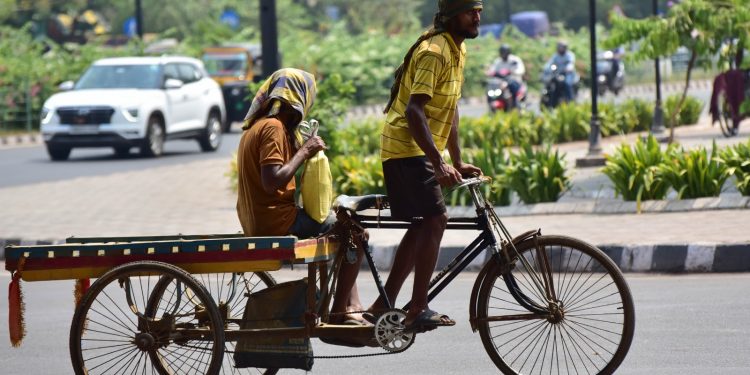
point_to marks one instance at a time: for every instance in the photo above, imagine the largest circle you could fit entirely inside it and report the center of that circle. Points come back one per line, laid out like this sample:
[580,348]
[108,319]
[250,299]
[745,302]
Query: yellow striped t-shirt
[436,69]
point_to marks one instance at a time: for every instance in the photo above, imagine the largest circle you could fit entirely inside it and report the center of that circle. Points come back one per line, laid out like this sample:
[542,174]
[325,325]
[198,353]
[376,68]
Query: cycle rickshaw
[182,304]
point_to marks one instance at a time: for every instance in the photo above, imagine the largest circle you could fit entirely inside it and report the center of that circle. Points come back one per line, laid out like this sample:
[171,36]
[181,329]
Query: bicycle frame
[503,250]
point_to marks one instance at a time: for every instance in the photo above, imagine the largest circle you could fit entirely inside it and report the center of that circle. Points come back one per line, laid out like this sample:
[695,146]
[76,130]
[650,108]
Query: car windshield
[225,64]
[120,77]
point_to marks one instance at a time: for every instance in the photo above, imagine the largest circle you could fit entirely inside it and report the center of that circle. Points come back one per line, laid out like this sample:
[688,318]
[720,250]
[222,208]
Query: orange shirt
[260,213]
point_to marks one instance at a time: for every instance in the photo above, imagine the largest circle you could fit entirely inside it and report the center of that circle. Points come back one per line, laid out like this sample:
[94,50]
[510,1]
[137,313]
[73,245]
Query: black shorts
[413,191]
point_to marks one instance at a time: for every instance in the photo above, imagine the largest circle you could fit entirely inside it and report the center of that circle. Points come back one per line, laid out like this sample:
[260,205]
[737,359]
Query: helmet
[504,49]
[562,44]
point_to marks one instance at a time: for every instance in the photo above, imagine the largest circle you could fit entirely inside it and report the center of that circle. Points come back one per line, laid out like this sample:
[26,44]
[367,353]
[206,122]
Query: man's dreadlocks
[438,26]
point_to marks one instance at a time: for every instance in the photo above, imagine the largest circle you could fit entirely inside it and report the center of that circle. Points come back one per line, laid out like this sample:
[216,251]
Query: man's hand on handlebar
[468,170]
[446,175]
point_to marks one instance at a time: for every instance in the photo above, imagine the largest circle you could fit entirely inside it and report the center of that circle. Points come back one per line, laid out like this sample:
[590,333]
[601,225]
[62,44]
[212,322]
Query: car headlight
[131,114]
[46,115]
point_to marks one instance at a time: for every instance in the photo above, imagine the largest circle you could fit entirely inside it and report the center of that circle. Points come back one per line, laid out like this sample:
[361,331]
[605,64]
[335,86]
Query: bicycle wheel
[230,292]
[576,318]
[121,327]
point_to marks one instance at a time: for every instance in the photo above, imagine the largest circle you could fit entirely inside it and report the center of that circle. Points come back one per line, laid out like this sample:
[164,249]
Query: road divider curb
[615,207]
[20,139]
[665,258]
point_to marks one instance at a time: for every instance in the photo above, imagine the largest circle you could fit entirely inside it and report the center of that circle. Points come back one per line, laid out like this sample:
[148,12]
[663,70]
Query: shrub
[695,173]
[537,176]
[609,119]
[635,172]
[638,115]
[361,137]
[500,129]
[737,159]
[690,112]
[568,122]
[334,97]
[357,175]
[492,161]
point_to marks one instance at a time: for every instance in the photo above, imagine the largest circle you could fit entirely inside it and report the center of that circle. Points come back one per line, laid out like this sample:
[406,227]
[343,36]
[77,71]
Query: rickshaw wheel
[130,318]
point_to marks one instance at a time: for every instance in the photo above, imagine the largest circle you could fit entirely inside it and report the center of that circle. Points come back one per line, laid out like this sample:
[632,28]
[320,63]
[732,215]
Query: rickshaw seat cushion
[361,203]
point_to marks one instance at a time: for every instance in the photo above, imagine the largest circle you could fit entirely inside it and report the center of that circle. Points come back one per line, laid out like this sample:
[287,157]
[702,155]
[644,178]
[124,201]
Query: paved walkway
[195,198]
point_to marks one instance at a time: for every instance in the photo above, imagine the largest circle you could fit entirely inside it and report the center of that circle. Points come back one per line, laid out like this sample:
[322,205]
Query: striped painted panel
[82,260]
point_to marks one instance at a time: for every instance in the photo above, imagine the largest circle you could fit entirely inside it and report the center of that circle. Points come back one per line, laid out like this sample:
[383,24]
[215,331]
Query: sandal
[428,320]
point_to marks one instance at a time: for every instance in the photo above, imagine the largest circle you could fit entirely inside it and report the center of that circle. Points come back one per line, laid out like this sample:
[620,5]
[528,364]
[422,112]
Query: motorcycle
[554,87]
[499,94]
[610,73]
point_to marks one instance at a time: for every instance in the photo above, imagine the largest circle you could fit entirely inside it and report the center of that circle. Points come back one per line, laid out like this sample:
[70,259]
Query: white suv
[135,102]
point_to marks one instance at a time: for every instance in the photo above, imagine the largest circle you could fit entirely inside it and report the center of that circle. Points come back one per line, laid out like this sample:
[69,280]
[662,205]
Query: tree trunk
[673,118]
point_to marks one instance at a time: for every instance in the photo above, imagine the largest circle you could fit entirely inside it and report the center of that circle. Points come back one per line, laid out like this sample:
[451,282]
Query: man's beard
[469,34]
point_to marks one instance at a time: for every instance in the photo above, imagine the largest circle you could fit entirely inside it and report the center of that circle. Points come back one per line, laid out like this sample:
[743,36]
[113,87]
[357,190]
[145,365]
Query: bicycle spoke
[574,303]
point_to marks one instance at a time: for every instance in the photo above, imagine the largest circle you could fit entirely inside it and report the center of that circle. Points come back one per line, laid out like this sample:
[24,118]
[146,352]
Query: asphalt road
[685,325]
[28,165]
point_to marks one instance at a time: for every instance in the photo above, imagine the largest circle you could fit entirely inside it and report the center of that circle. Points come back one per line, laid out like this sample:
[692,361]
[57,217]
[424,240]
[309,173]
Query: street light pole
[657,126]
[594,146]
[594,157]
[269,37]
[139,19]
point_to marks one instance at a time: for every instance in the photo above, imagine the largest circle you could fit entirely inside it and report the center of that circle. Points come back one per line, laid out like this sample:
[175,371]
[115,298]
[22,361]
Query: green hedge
[737,159]
[568,122]
[634,171]
[645,171]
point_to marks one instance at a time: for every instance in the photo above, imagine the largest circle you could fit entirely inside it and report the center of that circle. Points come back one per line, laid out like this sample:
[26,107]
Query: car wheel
[210,139]
[122,151]
[153,144]
[58,153]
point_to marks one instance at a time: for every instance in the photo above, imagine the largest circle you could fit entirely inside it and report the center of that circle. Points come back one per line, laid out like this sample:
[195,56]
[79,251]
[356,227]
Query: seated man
[268,156]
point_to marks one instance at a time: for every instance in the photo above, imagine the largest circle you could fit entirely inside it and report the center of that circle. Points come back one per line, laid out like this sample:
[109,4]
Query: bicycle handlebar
[474,181]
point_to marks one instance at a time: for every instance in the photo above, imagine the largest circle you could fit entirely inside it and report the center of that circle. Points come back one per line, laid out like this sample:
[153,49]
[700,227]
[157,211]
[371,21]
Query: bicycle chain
[385,352]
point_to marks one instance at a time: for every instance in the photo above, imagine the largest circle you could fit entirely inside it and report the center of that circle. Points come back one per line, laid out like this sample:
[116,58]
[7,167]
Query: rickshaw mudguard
[492,263]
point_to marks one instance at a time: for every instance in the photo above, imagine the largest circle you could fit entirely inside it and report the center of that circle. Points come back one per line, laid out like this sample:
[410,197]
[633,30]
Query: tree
[572,14]
[705,27]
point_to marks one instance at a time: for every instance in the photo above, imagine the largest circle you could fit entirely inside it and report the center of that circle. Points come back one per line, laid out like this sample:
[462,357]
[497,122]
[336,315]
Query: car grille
[85,115]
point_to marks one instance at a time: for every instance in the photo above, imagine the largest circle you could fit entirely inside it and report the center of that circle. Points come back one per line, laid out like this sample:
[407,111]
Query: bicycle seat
[360,203]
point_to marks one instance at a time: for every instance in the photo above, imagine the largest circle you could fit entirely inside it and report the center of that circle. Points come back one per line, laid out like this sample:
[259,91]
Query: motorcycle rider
[514,65]
[565,60]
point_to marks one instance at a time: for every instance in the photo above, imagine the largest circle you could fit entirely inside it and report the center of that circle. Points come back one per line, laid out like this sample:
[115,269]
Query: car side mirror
[66,86]
[172,83]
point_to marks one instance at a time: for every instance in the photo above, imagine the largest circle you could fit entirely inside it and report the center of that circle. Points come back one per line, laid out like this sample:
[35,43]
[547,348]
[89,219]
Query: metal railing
[20,107]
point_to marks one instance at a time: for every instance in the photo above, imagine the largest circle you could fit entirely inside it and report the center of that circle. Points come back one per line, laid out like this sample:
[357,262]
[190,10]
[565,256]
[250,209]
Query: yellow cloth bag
[317,183]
